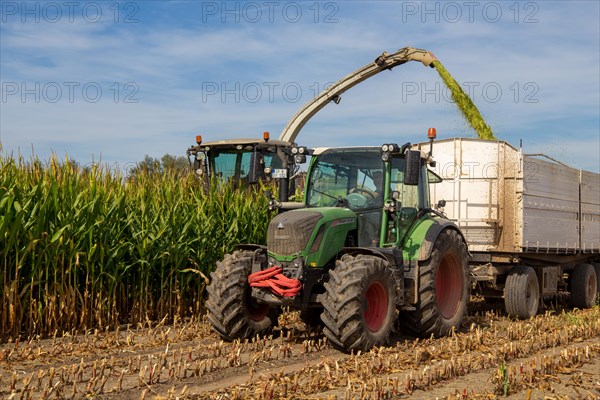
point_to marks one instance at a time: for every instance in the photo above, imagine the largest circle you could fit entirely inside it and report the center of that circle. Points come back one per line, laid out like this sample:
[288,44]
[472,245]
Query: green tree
[150,165]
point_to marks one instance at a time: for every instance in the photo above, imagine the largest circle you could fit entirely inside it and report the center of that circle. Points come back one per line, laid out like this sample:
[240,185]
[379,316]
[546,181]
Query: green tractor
[365,254]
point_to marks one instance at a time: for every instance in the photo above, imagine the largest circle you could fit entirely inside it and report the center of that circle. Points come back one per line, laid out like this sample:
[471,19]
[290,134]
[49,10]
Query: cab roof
[245,141]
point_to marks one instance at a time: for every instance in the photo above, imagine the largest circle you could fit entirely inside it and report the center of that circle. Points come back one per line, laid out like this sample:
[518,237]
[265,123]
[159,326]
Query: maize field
[102,281]
[84,249]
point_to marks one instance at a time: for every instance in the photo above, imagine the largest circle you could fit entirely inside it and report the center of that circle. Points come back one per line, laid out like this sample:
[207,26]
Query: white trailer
[532,224]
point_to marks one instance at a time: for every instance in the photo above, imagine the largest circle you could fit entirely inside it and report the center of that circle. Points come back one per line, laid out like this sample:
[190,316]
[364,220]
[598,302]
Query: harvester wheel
[232,312]
[522,292]
[359,303]
[583,286]
[443,289]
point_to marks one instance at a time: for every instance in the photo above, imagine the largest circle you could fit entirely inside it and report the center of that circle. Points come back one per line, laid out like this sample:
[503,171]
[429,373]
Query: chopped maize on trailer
[532,224]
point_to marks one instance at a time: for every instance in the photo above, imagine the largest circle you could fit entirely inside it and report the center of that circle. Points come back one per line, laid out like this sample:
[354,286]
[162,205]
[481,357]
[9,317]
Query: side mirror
[440,204]
[412,170]
[254,173]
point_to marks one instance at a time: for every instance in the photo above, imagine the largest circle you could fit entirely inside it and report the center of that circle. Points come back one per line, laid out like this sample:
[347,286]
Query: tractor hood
[316,234]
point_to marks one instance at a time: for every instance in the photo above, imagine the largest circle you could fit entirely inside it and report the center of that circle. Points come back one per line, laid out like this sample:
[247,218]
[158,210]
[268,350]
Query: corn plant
[82,249]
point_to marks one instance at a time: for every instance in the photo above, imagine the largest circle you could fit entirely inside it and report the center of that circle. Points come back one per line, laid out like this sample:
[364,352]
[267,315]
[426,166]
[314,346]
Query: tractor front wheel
[443,289]
[359,303]
[232,312]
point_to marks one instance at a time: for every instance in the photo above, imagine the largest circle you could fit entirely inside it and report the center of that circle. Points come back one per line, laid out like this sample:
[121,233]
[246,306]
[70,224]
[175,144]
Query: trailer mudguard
[432,234]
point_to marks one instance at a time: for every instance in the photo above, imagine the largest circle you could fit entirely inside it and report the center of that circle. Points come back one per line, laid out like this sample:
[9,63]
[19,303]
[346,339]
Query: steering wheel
[371,194]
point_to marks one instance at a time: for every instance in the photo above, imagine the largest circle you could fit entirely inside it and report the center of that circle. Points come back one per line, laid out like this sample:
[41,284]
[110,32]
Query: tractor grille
[289,232]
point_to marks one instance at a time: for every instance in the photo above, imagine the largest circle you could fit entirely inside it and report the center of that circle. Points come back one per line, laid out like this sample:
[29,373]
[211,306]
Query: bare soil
[552,356]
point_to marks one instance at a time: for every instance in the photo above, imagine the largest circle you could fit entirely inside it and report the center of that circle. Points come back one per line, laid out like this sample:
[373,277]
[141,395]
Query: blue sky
[118,80]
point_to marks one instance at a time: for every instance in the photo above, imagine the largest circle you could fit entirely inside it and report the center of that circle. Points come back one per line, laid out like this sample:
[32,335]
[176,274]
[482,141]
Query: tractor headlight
[299,158]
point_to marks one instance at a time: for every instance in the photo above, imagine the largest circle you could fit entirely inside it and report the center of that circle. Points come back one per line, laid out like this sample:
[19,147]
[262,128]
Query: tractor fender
[393,257]
[432,234]
[250,247]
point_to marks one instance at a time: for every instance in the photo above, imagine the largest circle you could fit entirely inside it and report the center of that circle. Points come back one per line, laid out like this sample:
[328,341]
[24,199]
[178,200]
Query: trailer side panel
[550,207]
[590,212]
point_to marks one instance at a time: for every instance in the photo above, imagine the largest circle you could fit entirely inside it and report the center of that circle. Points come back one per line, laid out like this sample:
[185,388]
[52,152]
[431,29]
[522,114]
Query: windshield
[231,164]
[227,164]
[354,176]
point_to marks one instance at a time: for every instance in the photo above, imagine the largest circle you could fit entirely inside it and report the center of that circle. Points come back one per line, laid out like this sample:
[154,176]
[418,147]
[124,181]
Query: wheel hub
[448,286]
[376,306]
[257,311]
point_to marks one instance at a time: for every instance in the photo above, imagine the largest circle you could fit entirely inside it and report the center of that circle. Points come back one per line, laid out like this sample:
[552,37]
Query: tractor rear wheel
[583,286]
[359,303]
[443,289]
[232,312]
[522,292]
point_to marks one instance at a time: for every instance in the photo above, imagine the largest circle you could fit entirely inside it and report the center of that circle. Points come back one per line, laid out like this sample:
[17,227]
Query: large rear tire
[522,293]
[232,312]
[583,286]
[359,303]
[443,289]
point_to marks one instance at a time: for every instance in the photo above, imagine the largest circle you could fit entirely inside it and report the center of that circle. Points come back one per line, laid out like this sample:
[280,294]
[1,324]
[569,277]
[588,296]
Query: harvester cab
[366,245]
[243,162]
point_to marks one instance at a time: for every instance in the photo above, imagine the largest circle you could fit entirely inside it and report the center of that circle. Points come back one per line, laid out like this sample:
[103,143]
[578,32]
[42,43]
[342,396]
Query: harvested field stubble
[186,360]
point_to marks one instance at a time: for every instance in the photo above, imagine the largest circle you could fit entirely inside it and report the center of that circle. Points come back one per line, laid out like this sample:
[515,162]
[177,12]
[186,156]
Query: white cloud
[169,62]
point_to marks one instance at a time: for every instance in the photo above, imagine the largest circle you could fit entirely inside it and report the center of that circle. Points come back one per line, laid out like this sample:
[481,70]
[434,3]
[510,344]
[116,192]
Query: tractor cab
[361,180]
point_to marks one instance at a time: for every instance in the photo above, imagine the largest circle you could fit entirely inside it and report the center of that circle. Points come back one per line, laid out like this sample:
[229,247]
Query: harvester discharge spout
[388,61]
[333,93]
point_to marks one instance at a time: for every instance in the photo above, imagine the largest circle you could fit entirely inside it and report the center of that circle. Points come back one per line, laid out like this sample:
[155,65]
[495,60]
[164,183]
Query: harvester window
[231,165]
[272,161]
[224,165]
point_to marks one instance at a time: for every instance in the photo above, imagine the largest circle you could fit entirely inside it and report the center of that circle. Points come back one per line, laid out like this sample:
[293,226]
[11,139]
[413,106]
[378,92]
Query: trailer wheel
[232,312]
[359,303]
[522,292]
[583,286]
[443,289]
[597,270]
